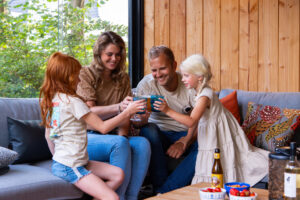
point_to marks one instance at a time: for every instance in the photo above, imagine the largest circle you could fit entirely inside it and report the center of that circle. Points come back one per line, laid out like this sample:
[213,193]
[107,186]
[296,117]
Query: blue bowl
[240,186]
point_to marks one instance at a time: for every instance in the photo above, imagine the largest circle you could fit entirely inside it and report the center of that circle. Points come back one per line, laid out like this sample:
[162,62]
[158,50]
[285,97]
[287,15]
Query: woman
[105,86]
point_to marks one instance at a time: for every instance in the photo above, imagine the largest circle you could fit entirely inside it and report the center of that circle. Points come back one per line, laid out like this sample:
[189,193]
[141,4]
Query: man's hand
[176,150]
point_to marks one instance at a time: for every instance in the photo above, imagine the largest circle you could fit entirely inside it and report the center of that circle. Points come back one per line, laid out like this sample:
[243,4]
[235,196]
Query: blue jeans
[160,142]
[132,155]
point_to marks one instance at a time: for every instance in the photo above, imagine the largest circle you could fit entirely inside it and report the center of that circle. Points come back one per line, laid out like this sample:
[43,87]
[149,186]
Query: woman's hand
[161,105]
[136,106]
[123,105]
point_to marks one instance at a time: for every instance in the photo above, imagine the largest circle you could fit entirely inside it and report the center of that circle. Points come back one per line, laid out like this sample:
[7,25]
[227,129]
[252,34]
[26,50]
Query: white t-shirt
[68,131]
[179,100]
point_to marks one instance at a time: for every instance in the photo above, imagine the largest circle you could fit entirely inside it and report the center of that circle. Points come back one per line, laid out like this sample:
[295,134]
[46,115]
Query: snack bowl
[233,197]
[212,195]
[240,186]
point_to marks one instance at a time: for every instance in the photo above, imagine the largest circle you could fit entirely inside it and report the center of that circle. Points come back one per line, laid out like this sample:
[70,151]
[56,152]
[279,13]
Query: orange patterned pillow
[270,126]
[230,103]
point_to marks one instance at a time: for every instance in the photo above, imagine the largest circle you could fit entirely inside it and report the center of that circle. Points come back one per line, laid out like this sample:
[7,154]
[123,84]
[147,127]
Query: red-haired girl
[65,116]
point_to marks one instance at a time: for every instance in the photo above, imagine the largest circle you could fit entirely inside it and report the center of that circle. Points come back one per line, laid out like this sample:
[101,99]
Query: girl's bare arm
[50,142]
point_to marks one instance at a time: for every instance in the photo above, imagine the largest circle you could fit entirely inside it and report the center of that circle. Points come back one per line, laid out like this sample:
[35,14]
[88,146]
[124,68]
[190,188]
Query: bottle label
[290,181]
[298,181]
[217,180]
[216,156]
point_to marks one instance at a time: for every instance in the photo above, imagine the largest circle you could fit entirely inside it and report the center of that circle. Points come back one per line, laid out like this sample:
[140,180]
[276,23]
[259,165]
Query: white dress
[240,160]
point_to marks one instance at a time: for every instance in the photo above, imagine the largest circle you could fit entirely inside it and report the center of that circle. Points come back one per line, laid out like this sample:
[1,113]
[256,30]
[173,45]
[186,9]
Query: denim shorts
[69,174]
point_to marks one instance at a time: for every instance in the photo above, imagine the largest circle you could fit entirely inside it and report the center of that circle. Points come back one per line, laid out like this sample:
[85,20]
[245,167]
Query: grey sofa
[29,181]
[32,181]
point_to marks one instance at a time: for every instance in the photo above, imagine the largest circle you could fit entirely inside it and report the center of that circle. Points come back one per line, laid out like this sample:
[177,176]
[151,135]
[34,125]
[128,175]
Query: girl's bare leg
[112,175]
[94,185]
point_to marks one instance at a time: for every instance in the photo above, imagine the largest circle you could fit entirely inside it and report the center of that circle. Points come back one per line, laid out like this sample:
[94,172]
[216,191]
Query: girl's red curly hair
[61,77]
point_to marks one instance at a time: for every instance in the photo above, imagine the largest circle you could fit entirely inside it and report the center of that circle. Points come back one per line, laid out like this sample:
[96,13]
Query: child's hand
[136,106]
[126,101]
[161,105]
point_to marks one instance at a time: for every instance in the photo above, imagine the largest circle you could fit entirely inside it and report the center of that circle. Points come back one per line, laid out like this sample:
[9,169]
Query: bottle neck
[292,158]
[216,156]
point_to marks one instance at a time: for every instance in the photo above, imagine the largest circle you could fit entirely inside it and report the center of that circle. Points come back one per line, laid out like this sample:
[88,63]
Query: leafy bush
[27,40]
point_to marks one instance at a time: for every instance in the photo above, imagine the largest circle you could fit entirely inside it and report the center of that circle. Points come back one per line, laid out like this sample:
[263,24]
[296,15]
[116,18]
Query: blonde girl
[65,116]
[217,128]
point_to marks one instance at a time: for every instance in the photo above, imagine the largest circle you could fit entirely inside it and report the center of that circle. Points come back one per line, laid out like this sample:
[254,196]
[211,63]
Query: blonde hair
[198,65]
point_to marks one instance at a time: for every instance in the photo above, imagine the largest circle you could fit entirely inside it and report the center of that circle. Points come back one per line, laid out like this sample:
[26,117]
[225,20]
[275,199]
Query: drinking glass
[136,117]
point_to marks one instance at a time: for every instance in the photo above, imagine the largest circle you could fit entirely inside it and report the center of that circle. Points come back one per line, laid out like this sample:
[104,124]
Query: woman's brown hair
[103,41]
[61,77]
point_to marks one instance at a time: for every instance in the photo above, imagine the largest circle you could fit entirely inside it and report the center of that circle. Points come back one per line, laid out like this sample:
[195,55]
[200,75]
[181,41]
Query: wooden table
[191,192]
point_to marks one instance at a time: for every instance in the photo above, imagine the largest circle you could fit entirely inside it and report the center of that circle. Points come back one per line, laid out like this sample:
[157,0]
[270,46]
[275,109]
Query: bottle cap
[217,150]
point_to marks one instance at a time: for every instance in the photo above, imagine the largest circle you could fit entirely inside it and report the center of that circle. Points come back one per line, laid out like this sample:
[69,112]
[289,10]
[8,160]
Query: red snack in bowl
[234,192]
[242,194]
[247,192]
[252,194]
[210,190]
[204,191]
[217,189]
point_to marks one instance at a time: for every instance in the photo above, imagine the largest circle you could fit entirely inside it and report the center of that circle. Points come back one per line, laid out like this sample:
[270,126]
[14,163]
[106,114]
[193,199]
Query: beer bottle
[217,171]
[292,176]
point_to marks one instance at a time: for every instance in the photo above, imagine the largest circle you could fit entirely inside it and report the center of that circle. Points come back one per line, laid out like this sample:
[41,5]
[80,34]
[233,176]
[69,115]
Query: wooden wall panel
[194,27]
[229,43]
[148,32]
[288,45]
[268,46]
[211,39]
[178,29]
[244,34]
[248,44]
[162,22]
[251,44]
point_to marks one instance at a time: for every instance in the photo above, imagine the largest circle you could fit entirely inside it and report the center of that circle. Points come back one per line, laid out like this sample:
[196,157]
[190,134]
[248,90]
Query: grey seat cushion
[21,182]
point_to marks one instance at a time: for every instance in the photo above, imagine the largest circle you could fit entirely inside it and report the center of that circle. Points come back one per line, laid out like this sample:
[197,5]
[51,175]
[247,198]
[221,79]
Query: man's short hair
[156,51]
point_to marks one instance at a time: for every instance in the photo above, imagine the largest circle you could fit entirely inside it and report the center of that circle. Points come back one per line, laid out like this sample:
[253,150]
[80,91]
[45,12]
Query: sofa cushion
[28,182]
[6,157]
[230,103]
[27,138]
[289,100]
[18,108]
[269,126]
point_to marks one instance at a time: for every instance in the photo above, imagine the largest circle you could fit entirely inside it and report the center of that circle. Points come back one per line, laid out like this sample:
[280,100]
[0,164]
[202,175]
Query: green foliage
[27,40]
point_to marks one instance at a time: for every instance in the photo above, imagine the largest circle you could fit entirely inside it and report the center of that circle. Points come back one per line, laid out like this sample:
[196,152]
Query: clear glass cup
[136,117]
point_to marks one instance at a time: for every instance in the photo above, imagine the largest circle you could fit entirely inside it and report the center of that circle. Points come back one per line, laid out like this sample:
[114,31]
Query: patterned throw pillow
[270,126]
[7,156]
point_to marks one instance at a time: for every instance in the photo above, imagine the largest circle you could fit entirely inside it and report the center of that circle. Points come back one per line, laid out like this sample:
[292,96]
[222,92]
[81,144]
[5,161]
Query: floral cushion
[270,126]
